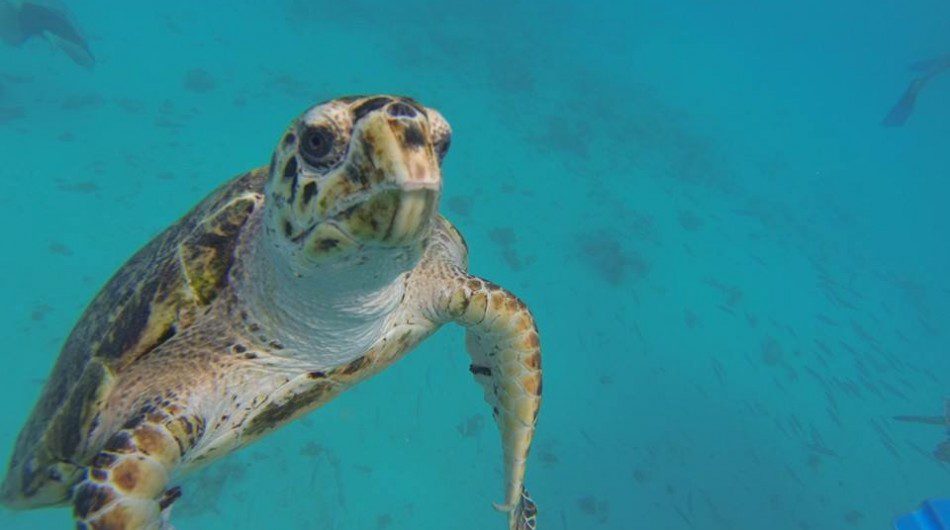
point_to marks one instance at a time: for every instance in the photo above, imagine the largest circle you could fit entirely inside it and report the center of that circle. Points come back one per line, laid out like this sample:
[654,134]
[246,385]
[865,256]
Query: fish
[943,420]
[942,451]
[926,420]
[904,107]
[21,20]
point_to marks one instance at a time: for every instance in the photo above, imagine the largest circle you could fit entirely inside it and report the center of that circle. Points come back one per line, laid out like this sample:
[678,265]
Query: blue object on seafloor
[932,515]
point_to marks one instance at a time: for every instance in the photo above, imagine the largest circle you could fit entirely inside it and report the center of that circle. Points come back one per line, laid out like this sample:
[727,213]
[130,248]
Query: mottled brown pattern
[119,518]
[177,361]
[209,254]
[126,475]
[354,366]
[91,498]
[504,346]
[69,425]
[133,464]
[145,303]
[150,441]
[276,414]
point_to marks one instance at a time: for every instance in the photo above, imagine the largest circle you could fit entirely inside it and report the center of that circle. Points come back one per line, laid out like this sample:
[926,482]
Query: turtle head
[356,176]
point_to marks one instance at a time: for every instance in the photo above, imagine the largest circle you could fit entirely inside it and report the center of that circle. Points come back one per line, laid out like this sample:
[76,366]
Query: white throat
[323,315]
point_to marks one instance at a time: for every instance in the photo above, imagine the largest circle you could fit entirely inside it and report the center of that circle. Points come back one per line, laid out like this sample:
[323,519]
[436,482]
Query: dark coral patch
[199,81]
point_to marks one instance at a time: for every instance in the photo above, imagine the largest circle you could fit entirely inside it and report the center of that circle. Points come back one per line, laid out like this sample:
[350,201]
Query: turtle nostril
[401,110]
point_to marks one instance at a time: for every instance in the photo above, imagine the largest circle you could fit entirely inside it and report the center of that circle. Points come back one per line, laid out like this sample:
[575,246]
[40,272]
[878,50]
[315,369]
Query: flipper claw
[525,514]
[504,508]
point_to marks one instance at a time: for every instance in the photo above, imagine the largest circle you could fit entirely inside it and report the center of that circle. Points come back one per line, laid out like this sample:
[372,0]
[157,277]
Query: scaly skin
[276,297]
[502,341]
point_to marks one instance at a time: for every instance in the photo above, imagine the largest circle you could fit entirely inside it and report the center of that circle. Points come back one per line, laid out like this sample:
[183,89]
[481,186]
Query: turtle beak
[400,150]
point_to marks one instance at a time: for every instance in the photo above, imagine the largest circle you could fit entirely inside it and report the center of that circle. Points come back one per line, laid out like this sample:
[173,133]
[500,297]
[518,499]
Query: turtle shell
[154,296]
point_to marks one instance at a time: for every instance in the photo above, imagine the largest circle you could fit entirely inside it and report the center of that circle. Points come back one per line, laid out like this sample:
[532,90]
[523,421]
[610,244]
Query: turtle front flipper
[502,340]
[124,487]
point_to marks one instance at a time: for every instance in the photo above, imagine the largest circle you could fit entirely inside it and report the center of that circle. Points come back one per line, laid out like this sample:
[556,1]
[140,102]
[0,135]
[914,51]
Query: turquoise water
[739,275]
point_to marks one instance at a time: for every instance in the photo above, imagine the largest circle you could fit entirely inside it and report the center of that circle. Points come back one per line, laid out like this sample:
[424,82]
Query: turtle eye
[317,146]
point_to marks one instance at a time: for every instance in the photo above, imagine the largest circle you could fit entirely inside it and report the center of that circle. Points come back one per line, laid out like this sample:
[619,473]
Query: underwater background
[739,274]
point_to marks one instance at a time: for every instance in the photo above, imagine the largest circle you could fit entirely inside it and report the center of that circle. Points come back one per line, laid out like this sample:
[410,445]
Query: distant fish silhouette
[942,452]
[943,420]
[905,106]
[22,19]
[930,420]
[931,64]
[927,420]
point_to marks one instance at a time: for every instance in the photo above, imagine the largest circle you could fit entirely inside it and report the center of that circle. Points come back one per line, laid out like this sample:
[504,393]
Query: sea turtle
[283,288]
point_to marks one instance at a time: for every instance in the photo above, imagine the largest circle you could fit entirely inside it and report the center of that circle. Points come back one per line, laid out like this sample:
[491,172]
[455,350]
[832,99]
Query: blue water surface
[740,275]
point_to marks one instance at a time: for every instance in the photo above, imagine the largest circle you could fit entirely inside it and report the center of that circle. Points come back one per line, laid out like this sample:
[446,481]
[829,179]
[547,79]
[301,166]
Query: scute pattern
[144,304]
[205,341]
[209,254]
